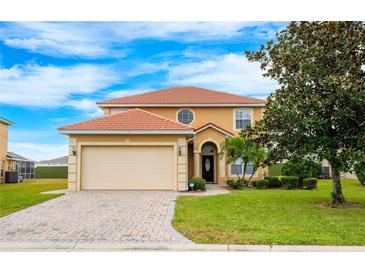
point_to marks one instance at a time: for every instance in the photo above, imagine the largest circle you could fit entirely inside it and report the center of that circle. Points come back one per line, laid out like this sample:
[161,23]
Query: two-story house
[158,139]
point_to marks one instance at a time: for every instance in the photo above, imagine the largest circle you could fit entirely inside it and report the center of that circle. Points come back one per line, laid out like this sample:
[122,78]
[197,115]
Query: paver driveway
[112,216]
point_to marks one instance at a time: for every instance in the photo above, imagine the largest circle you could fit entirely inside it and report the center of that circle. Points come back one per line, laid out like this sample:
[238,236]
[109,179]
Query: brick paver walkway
[211,189]
[97,216]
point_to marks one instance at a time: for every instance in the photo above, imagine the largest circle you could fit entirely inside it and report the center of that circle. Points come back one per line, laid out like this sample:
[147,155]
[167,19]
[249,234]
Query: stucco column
[222,166]
[72,165]
[196,164]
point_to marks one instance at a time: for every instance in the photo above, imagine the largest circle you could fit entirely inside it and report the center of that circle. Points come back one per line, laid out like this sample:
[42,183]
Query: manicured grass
[274,216]
[51,172]
[14,197]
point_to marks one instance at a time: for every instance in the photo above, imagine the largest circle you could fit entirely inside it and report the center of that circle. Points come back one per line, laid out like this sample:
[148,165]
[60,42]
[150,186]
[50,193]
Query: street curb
[97,247]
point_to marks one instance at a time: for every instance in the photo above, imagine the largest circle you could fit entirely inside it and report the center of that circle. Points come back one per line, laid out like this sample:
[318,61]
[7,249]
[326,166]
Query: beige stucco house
[158,139]
[4,163]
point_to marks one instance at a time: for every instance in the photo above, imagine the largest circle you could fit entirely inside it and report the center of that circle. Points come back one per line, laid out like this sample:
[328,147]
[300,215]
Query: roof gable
[215,127]
[184,96]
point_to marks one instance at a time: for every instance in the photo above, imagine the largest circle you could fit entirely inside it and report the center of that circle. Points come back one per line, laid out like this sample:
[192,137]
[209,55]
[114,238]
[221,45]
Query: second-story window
[242,118]
[185,116]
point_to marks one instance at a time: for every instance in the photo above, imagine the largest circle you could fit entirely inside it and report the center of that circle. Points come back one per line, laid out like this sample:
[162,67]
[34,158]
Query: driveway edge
[168,222]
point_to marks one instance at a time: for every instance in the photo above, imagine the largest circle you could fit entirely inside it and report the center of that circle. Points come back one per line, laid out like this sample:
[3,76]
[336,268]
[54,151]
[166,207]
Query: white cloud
[230,72]
[127,92]
[88,107]
[51,86]
[31,135]
[38,151]
[106,39]
[139,68]
[59,39]
[187,31]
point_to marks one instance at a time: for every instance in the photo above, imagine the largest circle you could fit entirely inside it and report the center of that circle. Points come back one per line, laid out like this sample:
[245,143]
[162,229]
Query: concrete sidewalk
[100,246]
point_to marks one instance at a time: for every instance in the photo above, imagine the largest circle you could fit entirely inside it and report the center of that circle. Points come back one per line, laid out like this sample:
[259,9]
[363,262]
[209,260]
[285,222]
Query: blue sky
[52,73]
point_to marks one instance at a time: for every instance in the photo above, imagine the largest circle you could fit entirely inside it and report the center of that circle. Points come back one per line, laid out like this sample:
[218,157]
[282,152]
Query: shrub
[232,184]
[302,168]
[360,171]
[236,184]
[290,181]
[254,183]
[199,183]
[310,183]
[262,183]
[273,181]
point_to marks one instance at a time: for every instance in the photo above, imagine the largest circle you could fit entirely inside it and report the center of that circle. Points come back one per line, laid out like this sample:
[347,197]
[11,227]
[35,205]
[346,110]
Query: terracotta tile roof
[214,126]
[133,119]
[184,95]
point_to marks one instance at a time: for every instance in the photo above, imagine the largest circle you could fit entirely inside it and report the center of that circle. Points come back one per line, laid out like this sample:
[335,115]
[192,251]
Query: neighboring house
[4,124]
[326,168]
[158,139]
[24,166]
[60,161]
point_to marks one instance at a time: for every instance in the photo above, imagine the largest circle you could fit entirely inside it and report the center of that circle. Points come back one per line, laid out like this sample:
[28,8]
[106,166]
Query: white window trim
[234,117]
[177,115]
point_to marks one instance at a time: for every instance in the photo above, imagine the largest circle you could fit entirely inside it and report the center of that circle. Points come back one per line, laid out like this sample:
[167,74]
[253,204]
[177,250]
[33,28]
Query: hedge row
[52,172]
[289,182]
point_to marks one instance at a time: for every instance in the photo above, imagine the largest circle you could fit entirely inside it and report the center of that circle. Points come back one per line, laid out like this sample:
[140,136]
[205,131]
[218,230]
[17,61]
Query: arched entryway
[209,160]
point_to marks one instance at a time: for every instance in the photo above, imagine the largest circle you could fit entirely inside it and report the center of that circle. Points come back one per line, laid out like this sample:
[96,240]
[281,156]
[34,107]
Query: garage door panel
[125,167]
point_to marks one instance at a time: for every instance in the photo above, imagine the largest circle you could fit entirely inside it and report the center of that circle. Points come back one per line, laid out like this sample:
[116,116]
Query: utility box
[11,177]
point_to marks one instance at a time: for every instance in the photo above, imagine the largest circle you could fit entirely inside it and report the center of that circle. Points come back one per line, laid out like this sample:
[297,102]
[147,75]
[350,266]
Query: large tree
[318,108]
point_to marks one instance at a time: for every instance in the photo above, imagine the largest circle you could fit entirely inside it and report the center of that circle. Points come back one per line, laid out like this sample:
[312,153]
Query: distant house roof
[183,96]
[57,161]
[16,157]
[130,121]
[6,121]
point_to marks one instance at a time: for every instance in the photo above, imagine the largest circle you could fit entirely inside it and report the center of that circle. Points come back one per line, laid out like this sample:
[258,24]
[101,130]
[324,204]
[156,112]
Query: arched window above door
[208,148]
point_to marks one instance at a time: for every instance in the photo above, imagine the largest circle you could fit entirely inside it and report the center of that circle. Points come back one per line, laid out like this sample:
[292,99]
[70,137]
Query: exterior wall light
[180,153]
[191,185]
[73,149]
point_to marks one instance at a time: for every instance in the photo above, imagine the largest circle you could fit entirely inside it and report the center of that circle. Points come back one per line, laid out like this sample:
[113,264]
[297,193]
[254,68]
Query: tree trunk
[249,179]
[244,171]
[337,196]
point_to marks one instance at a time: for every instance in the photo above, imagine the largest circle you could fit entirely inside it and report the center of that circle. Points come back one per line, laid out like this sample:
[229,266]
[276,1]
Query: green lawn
[14,197]
[274,216]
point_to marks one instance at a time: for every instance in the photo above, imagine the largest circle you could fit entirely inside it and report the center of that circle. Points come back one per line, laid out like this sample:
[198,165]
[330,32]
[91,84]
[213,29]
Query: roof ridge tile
[184,95]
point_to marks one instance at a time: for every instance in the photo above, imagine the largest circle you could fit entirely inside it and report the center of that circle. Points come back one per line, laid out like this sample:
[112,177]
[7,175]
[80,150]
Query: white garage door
[124,167]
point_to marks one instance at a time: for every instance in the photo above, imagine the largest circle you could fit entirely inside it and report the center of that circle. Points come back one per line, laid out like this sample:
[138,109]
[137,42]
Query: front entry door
[208,168]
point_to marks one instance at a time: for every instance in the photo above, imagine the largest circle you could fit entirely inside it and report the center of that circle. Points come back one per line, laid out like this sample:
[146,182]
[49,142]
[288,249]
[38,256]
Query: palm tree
[245,151]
